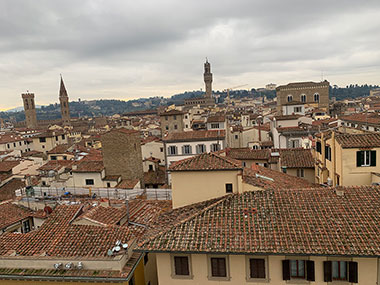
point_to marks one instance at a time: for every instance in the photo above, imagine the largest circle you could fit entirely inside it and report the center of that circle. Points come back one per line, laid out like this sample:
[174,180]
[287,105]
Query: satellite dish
[118,242]
[117,248]
[57,265]
[80,265]
[69,265]
[125,245]
[109,252]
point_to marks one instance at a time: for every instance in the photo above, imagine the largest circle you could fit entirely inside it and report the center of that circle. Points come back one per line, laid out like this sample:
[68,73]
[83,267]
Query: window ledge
[298,281]
[182,276]
[212,278]
[258,280]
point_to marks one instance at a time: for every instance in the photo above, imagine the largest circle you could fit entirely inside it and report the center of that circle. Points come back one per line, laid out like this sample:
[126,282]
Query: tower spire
[64,101]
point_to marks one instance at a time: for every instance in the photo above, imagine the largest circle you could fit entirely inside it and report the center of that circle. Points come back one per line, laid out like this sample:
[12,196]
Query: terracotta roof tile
[358,140]
[11,214]
[89,166]
[297,158]
[195,135]
[313,221]
[8,165]
[206,161]
[266,178]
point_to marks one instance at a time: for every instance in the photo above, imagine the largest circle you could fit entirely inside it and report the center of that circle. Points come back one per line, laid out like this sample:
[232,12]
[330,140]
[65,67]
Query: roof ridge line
[186,219]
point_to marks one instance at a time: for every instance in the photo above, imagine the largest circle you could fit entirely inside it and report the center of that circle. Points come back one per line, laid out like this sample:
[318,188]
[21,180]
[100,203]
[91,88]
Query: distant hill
[107,107]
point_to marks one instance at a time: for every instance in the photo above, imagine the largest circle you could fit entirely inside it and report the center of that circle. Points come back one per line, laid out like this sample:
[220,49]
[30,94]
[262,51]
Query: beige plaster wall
[190,187]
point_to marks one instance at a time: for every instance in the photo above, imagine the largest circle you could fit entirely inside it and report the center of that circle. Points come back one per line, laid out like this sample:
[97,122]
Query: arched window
[303,98]
[316,97]
[290,98]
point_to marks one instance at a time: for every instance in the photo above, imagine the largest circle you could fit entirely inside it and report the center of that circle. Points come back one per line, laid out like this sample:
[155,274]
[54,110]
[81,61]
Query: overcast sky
[129,49]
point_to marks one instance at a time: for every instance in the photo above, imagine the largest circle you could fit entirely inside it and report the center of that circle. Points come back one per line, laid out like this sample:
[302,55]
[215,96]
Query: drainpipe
[127,206]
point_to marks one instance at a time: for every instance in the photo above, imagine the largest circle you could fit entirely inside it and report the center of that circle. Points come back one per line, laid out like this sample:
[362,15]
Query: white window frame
[187,149]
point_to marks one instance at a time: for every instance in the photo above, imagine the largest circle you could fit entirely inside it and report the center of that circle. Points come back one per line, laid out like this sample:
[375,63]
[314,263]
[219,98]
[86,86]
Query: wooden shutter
[310,270]
[285,270]
[257,268]
[359,158]
[373,157]
[181,265]
[353,272]
[327,270]
[218,267]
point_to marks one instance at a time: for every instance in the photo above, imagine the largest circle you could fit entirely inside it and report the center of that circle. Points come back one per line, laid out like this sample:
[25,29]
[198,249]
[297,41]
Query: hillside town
[251,190]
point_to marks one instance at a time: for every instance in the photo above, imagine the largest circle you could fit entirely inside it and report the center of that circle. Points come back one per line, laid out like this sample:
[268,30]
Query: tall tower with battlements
[208,79]
[30,110]
[64,101]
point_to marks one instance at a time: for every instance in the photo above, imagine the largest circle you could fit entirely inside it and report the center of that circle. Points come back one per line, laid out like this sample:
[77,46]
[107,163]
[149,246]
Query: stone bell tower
[30,110]
[64,101]
[208,79]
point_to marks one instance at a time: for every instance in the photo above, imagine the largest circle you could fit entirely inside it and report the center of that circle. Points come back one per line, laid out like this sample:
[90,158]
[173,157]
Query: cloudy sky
[129,49]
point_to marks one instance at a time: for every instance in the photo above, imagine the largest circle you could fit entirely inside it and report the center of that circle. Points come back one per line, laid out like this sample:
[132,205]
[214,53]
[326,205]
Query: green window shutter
[373,157]
[359,158]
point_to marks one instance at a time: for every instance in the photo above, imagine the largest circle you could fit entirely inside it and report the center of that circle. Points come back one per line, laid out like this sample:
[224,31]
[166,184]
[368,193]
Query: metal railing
[110,193]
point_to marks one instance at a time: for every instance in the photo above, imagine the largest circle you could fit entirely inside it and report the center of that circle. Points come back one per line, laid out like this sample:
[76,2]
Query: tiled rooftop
[297,158]
[358,140]
[89,166]
[195,136]
[266,178]
[313,221]
[8,165]
[206,161]
[11,214]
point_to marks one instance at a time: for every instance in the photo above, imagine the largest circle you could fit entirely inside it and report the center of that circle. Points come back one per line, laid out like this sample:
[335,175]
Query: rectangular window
[42,140]
[146,258]
[167,128]
[297,109]
[257,268]
[175,117]
[201,148]
[218,267]
[186,149]
[161,149]
[14,144]
[175,127]
[328,152]
[53,157]
[228,187]
[181,265]
[236,137]
[284,169]
[108,184]
[90,182]
[172,150]
[150,167]
[215,147]
[339,270]
[56,138]
[294,143]
[297,269]
[366,158]
[26,226]
[215,126]
[300,172]
[319,147]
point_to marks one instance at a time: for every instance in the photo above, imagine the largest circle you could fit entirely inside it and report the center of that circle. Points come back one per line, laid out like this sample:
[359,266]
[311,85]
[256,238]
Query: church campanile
[208,79]
[64,101]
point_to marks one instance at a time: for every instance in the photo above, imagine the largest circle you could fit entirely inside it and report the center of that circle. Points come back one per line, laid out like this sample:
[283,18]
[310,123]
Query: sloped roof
[206,161]
[11,214]
[266,178]
[195,135]
[358,140]
[8,165]
[313,221]
[297,158]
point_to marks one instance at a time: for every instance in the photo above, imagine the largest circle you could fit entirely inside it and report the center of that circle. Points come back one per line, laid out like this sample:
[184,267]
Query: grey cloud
[123,49]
